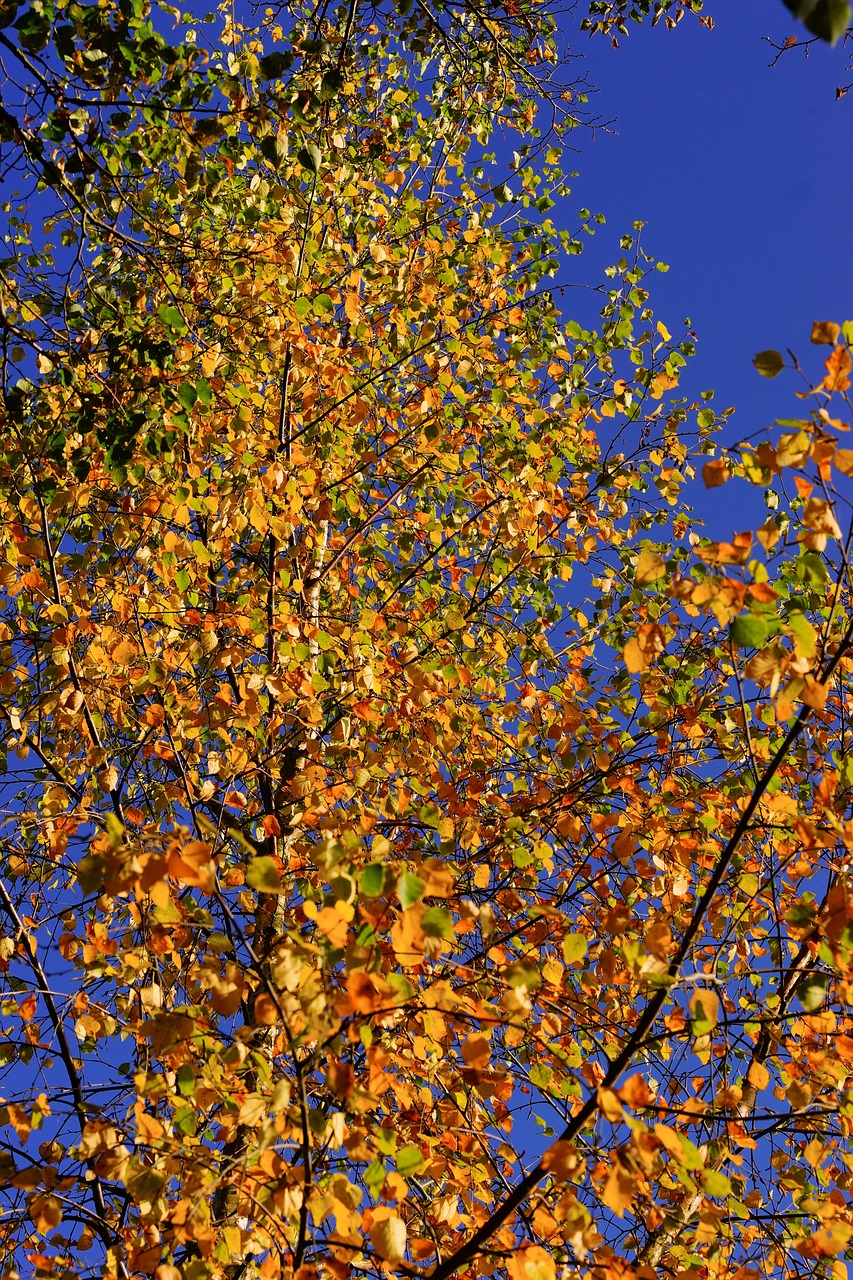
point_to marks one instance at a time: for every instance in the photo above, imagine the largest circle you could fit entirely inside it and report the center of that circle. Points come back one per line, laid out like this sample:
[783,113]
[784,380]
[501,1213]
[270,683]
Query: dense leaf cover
[424,853]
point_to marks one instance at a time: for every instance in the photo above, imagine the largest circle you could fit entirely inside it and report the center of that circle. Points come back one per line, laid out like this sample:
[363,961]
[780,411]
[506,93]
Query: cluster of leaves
[425,854]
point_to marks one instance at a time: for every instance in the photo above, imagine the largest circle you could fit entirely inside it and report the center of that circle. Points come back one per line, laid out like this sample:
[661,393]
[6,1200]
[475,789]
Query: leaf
[409,1160]
[91,870]
[272,65]
[574,947]
[187,395]
[531,1262]
[561,1160]
[649,567]
[825,331]
[828,19]
[758,1075]
[310,158]
[811,992]
[749,631]
[371,882]
[437,922]
[191,863]
[410,889]
[705,1011]
[769,363]
[715,473]
[172,318]
[388,1237]
[263,874]
[838,368]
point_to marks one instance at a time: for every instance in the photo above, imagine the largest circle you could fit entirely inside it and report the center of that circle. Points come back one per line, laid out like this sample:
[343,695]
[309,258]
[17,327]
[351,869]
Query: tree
[397,782]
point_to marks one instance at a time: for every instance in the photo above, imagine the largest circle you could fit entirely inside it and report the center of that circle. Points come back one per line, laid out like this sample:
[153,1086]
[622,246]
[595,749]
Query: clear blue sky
[744,175]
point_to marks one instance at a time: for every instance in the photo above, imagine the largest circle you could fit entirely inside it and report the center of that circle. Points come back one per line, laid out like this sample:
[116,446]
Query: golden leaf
[648,567]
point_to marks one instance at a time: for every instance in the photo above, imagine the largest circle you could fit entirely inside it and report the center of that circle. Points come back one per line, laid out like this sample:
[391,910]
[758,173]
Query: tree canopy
[426,852]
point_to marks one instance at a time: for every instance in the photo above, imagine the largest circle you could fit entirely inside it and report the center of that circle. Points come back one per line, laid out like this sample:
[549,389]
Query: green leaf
[333,82]
[502,193]
[410,889]
[716,1183]
[437,922]
[371,882]
[749,631]
[185,1120]
[186,1080]
[272,65]
[574,947]
[310,158]
[769,363]
[409,1160]
[172,317]
[302,307]
[263,874]
[811,992]
[828,19]
[374,1176]
[187,395]
[323,304]
[805,633]
[523,974]
[204,391]
[90,873]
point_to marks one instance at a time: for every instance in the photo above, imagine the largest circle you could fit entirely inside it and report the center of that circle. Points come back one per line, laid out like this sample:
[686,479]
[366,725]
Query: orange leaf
[192,864]
[531,1263]
[351,307]
[562,1160]
[838,366]
[715,473]
[27,1008]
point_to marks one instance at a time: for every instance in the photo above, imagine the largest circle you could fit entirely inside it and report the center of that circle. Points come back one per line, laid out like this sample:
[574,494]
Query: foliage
[827,19]
[426,853]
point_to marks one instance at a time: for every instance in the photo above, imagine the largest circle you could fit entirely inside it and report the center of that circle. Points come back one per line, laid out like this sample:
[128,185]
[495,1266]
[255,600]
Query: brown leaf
[825,331]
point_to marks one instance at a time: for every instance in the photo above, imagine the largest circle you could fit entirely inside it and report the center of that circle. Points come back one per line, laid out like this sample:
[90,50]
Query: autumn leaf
[388,1236]
[649,567]
[531,1263]
[715,473]
[192,864]
[769,363]
[838,367]
[825,331]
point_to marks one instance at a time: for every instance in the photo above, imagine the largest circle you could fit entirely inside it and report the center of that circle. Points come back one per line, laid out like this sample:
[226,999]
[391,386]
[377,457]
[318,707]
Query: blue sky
[744,176]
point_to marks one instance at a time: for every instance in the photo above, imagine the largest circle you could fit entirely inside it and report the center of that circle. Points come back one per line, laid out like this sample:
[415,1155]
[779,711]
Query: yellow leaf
[705,1011]
[634,658]
[531,1263]
[610,1105]
[108,778]
[758,1075]
[388,1237]
[842,460]
[649,567]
